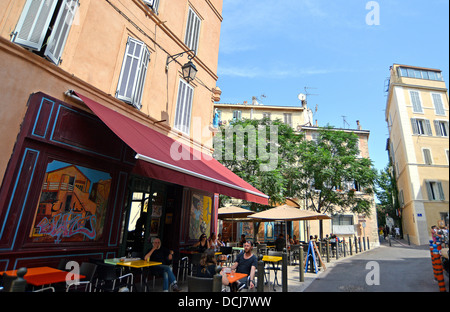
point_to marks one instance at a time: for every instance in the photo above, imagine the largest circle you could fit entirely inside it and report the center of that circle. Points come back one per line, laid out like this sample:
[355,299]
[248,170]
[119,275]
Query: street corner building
[100,102]
[417,114]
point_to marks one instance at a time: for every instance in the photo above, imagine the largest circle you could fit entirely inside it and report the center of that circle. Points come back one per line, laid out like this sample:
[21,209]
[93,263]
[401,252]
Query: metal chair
[88,270]
[110,280]
[195,262]
[200,284]
[183,264]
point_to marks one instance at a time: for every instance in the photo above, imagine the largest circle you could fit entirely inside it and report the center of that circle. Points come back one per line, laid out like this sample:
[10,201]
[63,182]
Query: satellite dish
[302,97]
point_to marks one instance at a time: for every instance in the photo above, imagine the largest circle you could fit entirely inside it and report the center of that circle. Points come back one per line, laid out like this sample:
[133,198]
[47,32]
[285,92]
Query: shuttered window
[421,126]
[153,4]
[35,21]
[415,99]
[133,73]
[427,156]
[438,104]
[441,128]
[60,30]
[184,107]
[192,31]
[435,190]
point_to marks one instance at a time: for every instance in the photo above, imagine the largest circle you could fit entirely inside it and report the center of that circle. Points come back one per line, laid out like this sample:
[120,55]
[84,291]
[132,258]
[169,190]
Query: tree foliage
[331,171]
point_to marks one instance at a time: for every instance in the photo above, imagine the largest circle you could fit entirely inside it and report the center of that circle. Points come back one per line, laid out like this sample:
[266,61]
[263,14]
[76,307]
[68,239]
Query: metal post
[284,272]
[337,248]
[359,241]
[217,281]
[389,239]
[301,267]
[356,245]
[409,242]
[345,247]
[328,251]
[260,275]
[350,245]
[368,243]
[364,243]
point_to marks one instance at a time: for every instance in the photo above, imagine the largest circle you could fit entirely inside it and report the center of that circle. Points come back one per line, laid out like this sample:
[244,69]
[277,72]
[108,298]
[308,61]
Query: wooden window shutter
[33,23]
[61,30]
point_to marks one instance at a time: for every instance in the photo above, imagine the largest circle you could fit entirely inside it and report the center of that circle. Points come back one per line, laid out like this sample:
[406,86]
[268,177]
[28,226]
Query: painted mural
[72,206]
[200,216]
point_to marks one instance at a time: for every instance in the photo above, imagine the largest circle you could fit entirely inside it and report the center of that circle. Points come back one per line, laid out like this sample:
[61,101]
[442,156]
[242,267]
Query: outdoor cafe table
[273,260]
[134,263]
[234,277]
[41,276]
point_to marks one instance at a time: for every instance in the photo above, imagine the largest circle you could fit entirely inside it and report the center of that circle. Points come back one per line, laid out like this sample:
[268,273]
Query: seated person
[164,255]
[280,243]
[208,265]
[246,263]
[202,245]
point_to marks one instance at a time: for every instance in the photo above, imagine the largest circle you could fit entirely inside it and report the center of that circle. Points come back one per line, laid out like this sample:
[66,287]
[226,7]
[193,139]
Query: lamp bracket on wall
[172,58]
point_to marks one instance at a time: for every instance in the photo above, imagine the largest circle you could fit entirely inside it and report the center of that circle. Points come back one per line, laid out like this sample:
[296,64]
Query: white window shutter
[441,191]
[427,127]
[429,191]
[184,107]
[154,4]
[415,99]
[33,23]
[133,73]
[438,105]
[437,128]
[414,126]
[61,30]
[192,30]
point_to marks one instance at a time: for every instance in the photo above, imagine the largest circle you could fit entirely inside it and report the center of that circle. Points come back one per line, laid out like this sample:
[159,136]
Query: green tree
[387,195]
[331,171]
[263,153]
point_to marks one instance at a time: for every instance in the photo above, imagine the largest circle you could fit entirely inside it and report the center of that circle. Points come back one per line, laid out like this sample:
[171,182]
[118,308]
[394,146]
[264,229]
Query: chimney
[245,102]
[358,125]
[317,124]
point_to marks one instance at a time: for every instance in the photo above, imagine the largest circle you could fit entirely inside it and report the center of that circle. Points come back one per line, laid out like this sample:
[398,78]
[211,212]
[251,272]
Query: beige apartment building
[417,114]
[99,118]
[344,225]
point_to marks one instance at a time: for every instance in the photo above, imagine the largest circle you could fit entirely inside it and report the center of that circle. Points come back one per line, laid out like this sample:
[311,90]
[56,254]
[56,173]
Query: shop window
[133,73]
[43,26]
[66,213]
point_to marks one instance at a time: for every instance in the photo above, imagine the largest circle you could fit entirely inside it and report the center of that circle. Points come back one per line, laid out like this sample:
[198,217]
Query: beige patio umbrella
[234,214]
[287,213]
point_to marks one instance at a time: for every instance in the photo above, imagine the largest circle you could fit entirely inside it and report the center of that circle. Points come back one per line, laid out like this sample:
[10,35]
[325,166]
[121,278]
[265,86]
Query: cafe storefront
[95,184]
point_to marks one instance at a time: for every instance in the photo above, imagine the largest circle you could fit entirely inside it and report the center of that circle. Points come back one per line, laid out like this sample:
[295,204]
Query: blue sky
[277,48]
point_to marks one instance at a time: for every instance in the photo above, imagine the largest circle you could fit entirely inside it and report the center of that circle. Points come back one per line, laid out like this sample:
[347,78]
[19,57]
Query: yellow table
[138,264]
[273,260]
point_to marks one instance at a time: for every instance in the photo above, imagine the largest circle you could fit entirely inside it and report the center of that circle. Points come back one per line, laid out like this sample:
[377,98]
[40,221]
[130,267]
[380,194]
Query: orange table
[235,277]
[45,276]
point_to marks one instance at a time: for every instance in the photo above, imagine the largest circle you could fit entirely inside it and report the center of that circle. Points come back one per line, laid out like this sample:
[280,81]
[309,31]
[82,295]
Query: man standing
[246,263]
[164,255]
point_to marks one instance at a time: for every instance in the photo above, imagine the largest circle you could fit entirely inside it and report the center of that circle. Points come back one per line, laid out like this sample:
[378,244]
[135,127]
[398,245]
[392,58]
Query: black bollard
[284,272]
[260,275]
[301,267]
[359,241]
[345,247]
[328,251]
[368,243]
[364,243]
[217,281]
[350,246]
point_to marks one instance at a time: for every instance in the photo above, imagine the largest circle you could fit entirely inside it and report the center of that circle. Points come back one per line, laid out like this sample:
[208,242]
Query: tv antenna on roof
[345,121]
[303,97]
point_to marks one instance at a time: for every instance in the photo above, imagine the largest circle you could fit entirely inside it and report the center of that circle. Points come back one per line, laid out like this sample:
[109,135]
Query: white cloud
[257,72]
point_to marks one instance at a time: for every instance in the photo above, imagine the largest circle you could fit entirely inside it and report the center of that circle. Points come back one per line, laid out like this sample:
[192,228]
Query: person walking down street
[165,256]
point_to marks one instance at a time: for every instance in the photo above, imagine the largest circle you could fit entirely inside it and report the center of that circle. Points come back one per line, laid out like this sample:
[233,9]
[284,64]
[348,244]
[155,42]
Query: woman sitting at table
[214,243]
[202,245]
[208,266]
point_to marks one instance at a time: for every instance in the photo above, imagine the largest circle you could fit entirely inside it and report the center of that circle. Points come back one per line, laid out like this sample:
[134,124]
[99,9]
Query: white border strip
[195,174]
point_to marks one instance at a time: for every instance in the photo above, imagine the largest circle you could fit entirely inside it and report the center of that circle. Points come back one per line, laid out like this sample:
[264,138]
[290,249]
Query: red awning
[198,171]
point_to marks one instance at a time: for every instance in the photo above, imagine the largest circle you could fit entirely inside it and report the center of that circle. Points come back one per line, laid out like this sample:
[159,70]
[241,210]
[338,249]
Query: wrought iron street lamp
[189,70]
